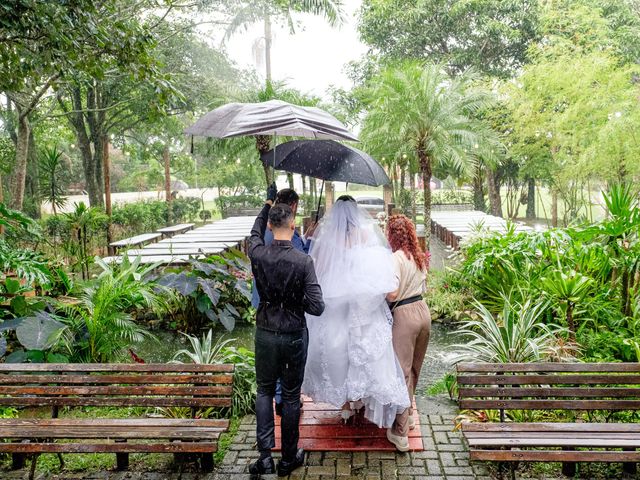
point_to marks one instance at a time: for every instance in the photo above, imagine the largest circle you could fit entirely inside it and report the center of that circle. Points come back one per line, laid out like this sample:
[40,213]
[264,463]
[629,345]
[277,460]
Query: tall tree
[491,36]
[41,42]
[248,12]
[433,114]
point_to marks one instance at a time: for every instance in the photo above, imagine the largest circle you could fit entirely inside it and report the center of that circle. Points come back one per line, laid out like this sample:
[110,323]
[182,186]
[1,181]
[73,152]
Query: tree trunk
[167,183]
[268,38]
[22,151]
[106,167]
[290,180]
[32,181]
[571,325]
[531,198]
[262,145]
[304,185]
[495,200]
[478,188]
[425,168]
[554,207]
[412,187]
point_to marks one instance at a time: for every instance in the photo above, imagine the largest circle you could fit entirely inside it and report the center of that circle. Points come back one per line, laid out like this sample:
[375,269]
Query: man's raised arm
[260,225]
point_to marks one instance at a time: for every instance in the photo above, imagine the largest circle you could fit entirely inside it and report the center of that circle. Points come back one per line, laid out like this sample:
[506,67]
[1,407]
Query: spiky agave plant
[517,335]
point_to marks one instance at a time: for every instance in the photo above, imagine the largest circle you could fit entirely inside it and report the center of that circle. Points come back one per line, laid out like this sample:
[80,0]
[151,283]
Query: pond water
[437,363]
[167,343]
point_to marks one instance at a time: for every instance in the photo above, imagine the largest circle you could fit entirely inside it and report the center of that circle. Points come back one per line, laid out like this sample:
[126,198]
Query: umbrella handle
[319,200]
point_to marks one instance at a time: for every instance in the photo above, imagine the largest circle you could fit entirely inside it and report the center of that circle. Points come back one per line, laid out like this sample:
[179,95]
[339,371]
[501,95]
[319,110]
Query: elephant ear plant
[215,290]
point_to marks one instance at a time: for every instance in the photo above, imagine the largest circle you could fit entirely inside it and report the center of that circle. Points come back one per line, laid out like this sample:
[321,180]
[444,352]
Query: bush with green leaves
[245,201]
[589,275]
[516,335]
[452,197]
[100,326]
[205,351]
[212,290]
[149,215]
[79,234]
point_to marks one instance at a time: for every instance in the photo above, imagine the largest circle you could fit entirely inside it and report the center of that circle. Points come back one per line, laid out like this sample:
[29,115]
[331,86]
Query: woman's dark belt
[405,301]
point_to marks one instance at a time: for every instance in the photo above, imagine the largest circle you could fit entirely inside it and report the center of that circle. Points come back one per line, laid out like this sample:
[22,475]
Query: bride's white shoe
[347,412]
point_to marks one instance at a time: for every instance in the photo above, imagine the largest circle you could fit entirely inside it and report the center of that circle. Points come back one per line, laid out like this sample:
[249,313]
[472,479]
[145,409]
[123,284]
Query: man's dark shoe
[262,467]
[279,409]
[285,468]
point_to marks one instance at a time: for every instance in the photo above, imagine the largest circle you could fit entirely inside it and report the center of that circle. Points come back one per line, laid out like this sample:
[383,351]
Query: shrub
[518,335]
[100,326]
[205,351]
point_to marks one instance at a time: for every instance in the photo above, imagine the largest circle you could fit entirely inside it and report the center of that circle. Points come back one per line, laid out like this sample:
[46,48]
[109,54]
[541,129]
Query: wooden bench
[59,386]
[136,241]
[175,229]
[570,388]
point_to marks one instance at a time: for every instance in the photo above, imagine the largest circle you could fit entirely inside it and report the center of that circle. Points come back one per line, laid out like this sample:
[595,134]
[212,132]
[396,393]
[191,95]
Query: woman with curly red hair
[411,316]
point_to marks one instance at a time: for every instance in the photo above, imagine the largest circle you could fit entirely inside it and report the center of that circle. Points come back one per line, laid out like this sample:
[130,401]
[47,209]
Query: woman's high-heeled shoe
[347,412]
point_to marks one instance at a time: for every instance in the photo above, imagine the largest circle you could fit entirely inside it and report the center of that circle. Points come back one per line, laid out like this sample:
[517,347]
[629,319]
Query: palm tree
[433,114]
[248,12]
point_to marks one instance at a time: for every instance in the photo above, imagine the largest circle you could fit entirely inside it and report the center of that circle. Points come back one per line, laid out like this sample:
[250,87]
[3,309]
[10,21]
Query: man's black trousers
[283,356]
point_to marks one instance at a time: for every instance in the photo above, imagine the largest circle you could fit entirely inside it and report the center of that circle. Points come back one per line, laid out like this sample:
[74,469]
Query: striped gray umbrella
[274,117]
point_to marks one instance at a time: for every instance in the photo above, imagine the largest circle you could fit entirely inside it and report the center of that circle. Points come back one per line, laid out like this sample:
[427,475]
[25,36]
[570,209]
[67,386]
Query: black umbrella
[328,160]
[273,117]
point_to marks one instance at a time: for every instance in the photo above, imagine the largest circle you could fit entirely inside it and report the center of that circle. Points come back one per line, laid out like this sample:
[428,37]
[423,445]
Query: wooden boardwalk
[322,429]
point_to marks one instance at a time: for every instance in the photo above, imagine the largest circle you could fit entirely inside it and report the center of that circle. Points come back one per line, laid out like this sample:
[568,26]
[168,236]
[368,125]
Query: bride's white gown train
[350,354]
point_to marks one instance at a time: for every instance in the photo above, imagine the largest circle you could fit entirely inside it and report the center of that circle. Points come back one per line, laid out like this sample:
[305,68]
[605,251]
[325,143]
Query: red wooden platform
[322,429]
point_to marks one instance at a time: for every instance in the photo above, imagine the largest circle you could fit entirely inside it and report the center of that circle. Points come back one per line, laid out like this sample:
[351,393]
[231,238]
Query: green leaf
[210,290]
[19,306]
[12,285]
[35,356]
[57,358]
[36,333]
[227,320]
[18,356]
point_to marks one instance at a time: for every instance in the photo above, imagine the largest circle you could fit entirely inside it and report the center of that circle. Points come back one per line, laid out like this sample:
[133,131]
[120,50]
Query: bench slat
[547,367]
[548,379]
[552,456]
[116,367]
[117,401]
[116,379]
[118,390]
[119,422]
[554,442]
[512,392]
[91,431]
[121,447]
[550,404]
[550,427]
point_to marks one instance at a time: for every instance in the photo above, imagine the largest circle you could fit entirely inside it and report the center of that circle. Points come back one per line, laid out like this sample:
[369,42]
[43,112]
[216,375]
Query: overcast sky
[313,59]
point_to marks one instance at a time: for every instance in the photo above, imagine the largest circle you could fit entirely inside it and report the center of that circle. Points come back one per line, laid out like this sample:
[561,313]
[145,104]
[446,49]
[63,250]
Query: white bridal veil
[351,355]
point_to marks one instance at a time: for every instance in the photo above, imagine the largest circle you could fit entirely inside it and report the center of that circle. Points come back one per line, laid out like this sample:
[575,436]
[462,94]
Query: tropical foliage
[587,276]
[431,114]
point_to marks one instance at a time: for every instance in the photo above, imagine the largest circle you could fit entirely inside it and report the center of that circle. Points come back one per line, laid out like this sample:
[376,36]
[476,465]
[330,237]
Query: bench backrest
[549,386]
[90,384]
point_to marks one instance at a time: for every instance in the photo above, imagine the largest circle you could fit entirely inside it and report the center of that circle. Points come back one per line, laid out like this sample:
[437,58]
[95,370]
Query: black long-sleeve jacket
[285,279]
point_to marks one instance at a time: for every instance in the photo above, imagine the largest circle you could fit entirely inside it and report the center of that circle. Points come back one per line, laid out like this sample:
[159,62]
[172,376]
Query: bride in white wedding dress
[350,356]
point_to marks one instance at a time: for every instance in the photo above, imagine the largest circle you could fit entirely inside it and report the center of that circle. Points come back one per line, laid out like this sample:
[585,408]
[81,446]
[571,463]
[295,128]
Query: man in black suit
[288,288]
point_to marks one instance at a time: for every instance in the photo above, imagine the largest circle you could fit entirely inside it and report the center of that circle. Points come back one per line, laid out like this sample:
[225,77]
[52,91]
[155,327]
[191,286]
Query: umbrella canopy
[274,117]
[179,185]
[328,160]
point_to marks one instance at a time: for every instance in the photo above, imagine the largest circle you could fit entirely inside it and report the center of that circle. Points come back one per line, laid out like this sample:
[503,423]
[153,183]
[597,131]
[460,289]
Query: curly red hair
[402,236]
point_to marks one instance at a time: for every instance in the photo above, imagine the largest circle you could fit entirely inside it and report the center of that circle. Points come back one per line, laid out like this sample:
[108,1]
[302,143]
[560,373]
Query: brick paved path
[444,457]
